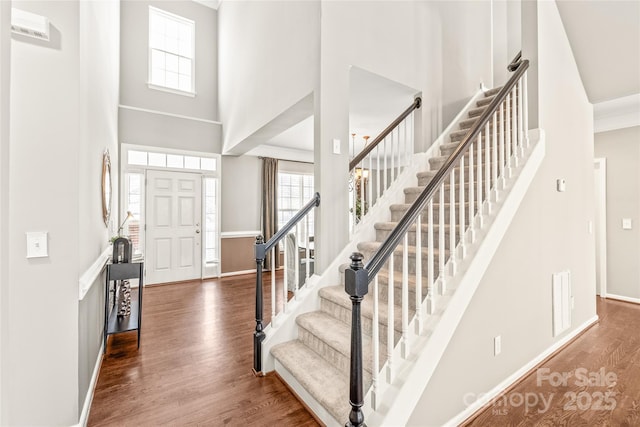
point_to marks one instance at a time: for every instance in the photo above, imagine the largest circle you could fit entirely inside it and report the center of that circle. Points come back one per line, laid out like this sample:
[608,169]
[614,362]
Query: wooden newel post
[356,285]
[258,335]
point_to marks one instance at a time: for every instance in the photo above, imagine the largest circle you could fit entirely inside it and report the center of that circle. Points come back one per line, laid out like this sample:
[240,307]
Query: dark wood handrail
[388,246]
[314,202]
[373,144]
[515,62]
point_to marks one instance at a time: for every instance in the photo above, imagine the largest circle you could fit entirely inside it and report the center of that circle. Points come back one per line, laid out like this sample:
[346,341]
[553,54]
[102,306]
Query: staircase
[319,359]
[397,314]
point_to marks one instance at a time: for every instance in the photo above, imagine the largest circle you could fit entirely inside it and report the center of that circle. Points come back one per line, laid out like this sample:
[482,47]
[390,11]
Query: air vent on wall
[29,24]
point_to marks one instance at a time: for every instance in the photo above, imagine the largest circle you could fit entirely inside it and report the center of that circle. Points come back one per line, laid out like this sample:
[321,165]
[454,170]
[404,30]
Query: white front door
[173,237]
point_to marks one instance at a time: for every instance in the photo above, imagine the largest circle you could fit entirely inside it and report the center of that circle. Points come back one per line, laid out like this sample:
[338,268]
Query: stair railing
[261,250]
[377,166]
[515,62]
[454,202]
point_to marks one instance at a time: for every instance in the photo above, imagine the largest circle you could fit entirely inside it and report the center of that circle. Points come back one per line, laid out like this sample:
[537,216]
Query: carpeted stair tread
[492,92]
[337,295]
[325,383]
[337,335]
[390,225]
[374,246]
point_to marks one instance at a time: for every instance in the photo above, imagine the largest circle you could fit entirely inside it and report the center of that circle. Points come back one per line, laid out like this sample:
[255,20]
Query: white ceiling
[374,102]
[605,39]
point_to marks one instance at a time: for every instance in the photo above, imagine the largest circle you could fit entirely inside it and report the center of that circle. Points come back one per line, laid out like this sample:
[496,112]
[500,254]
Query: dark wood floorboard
[612,344]
[194,362]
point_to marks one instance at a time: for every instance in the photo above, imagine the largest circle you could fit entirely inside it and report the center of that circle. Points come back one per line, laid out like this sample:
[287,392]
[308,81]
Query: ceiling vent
[29,24]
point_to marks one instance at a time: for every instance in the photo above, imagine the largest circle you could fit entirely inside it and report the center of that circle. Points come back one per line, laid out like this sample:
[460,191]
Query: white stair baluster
[472,206]
[273,287]
[507,135]
[514,127]
[375,347]
[307,252]
[404,349]
[525,110]
[487,168]
[390,321]
[430,260]
[520,122]
[275,253]
[452,221]
[494,157]
[369,184]
[479,197]
[296,265]
[378,172]
[441,242]
[503,181]
[461,211]
[362,202]
[419,276]
[386,179]
[394,143]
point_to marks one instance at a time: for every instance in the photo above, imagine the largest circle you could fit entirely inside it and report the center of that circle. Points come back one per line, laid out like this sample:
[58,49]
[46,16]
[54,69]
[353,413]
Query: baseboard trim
[84,415]
[622,298]
[511,381]
[237,273]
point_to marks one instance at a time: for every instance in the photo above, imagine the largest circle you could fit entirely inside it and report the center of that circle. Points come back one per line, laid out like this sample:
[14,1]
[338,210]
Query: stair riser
[343,314]
[437,162]
[397,262]
[412,197]
[381,235]
[396,215]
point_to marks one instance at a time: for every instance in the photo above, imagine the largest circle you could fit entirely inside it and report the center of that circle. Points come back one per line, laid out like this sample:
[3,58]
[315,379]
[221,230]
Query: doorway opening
[174,200]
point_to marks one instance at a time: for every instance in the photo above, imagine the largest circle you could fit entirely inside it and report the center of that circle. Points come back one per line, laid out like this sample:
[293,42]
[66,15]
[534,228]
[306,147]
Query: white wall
[99,95]
[64,97]
[5,70]
[621,148]
[467,54]
[163,119]
[514,297]
[268,62]
[241,193]
[41,344]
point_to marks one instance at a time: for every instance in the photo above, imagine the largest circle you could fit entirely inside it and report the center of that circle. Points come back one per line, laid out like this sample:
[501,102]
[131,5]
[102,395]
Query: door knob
[198,231]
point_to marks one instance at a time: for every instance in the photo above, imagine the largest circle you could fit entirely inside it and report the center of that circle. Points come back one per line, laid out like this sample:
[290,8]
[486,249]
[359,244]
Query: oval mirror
[106,187]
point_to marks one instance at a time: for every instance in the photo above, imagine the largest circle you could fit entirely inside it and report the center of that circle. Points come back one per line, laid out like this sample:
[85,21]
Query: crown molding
[617,113]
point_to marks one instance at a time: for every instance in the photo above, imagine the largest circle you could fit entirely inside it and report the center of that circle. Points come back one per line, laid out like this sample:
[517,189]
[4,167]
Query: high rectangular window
[171,51]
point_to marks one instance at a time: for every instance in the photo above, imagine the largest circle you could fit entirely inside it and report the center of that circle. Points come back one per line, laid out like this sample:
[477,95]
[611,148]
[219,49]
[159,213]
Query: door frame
[600,180]
[207,270]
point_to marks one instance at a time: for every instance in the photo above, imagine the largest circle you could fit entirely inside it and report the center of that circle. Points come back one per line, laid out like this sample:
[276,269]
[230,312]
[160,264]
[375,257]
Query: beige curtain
[270,205]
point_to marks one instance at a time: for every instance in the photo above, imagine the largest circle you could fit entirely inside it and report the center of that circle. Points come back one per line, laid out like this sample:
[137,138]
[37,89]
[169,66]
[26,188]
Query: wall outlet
[627,224]
[497,345]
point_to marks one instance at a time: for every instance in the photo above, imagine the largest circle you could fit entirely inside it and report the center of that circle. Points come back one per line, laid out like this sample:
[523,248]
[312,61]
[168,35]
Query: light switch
[561,185]
[626,224]
[37,244]
[336,146]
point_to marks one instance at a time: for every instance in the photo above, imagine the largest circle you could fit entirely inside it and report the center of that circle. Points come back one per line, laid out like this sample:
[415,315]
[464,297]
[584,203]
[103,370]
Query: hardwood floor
[195,359]
[194,363]
[601,383]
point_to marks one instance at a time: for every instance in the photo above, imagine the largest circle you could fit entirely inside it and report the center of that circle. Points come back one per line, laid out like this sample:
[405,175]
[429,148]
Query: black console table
[112,323]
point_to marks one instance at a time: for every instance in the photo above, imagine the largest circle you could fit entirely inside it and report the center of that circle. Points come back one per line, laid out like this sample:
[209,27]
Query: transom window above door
[171,52]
